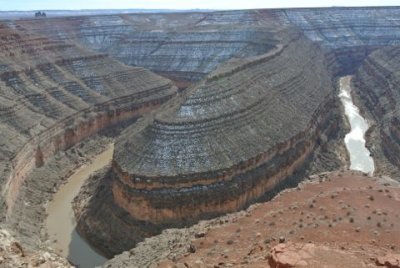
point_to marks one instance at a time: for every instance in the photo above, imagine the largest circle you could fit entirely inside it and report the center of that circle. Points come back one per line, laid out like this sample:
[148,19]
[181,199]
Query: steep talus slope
[53,94]
[377,85]
[352,33]
[183,47]
[235,137]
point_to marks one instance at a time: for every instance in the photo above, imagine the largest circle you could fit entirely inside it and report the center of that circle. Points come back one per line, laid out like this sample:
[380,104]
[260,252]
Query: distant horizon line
[198,9]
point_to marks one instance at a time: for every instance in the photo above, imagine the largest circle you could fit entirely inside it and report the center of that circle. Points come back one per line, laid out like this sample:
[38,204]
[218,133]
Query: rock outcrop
[260,100]
[13,254]
[234,138]
[351,33]
[53,94]
[376,84]
[288,255]
[389,260]
[184,47]
[331,220]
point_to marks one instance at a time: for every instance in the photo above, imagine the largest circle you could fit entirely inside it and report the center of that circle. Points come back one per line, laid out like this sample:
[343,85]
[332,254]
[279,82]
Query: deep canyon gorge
[209,113]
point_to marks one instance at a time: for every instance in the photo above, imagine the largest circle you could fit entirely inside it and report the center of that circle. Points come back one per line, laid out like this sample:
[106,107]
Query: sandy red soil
[334,220]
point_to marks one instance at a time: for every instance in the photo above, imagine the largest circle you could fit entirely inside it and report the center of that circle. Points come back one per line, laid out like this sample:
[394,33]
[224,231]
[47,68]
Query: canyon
[209,112]
[328,220]
[378,97]
[225,145]
[53,95]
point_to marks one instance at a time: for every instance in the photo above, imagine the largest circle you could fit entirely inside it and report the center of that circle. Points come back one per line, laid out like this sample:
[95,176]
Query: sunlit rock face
[54,94]
[235,137]
[180,46]
[377,85]
[260,101]
[352,33]
[187,46]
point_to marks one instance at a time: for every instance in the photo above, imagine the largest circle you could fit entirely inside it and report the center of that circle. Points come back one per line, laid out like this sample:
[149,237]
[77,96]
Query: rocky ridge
[334,219]
[351,33]
[375,85]
[185,47]
[53,95]
[13,254]
[181,46]
[203,156]
[58,87]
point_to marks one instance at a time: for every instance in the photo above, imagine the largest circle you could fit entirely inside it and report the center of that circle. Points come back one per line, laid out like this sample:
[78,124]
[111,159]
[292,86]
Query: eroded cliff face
[377,86]
[262,101]
[53,95]
[184,47]
[357,215]
[351,33]
[234,138]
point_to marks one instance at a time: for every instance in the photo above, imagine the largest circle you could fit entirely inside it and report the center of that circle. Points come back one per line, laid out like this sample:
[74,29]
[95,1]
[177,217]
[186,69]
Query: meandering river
[61,220]
[360,157]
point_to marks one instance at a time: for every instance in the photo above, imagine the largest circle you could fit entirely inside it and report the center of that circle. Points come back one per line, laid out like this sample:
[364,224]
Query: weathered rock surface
[182,46]
[389,260]
[187,46]
[310,255]
[13,254]
[263,104]
[351,33]
[376,84]
[53,94]
[234,138]
[330,221]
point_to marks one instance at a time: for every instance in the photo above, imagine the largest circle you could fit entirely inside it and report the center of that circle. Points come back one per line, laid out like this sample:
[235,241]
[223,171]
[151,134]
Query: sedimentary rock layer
[54,94]
[187,46]
[183,47]
[377,85]
[351,33]
[230,139]
[357,232]
[234,137]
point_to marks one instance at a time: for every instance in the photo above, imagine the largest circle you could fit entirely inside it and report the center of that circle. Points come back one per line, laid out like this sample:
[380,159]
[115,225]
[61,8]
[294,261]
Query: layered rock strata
[180,46]
[232,139]
[54,94]
[350,32]
[376,84]
[329,221]
[187,46]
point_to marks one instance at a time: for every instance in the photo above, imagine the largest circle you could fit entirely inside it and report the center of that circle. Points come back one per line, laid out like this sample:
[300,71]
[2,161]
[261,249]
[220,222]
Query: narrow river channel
[61,221]
[360,157]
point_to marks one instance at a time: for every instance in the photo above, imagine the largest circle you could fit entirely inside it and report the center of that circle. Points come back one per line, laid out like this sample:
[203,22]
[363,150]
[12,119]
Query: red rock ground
[334,220]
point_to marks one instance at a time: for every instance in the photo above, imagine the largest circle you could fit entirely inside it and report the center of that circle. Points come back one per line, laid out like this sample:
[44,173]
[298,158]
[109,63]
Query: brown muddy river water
[61,221]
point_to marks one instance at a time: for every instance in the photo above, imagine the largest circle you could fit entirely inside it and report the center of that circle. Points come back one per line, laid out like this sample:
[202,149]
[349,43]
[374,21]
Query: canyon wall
[376,84]
[53,94]
[185,47]
[350,32]
[260,99]
[181,46]
[232,139]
